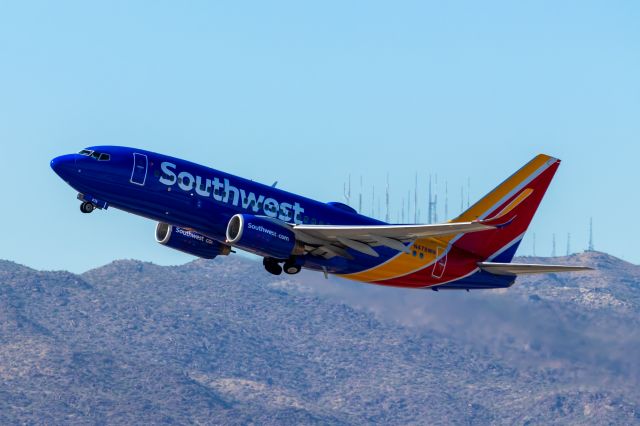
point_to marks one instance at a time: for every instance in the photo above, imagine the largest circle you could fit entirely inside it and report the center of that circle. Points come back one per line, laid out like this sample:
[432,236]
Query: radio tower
[468,192]
[446,200]
[553,250]
[430,206]
[373,199]
[387,218]
[435,203]
[591,248]
[461,199]
[534,244]
[347,191]
[568,244]
[415,201]
[360,197]
[402,215]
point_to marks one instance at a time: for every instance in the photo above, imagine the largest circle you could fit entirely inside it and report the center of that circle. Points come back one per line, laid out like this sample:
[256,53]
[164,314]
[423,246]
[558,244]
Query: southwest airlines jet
[206,213]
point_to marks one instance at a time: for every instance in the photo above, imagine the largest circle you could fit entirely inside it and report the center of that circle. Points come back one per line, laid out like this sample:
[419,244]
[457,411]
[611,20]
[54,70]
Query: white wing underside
[332,240]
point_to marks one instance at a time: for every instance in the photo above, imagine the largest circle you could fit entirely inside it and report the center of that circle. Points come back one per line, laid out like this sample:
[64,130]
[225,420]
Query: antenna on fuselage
[274,184]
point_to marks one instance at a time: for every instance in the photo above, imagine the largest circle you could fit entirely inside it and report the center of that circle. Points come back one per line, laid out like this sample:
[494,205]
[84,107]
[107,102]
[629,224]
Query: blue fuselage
[188,195]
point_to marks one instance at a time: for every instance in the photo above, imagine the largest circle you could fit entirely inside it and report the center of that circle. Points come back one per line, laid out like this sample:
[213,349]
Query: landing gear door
[140,165]
[441,263]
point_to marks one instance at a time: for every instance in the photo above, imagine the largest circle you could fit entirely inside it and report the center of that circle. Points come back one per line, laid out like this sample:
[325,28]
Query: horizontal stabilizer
[524,268]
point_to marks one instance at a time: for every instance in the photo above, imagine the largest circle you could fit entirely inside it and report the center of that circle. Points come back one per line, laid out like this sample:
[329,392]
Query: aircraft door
[441,263]
[140,166]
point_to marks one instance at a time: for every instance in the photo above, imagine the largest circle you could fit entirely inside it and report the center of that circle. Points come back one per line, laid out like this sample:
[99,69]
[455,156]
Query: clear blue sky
[308,93]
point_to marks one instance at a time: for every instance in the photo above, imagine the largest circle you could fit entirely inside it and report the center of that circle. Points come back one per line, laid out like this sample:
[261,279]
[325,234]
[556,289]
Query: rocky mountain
[223,342]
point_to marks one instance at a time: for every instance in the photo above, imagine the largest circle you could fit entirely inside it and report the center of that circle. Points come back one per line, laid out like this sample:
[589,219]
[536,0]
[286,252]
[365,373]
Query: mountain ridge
[223,342]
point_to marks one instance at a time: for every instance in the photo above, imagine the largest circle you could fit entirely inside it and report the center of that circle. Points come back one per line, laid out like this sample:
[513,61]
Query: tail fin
[510,207]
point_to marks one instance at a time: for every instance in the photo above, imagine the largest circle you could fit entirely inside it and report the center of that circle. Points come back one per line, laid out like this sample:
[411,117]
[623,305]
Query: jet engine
[263,236]
[189,242]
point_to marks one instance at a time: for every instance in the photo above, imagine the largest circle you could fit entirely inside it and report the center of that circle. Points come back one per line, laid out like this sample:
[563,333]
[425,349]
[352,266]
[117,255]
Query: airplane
[207,213]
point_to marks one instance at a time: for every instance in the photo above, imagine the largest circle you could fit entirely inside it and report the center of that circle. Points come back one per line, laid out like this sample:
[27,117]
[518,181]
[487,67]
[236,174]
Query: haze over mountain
[223,342]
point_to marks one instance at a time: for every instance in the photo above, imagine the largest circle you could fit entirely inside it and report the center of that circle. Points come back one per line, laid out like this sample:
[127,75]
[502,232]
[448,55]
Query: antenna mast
[446,200]
[347,191]
[360,197]
[387,218]
[373,199]
[415,201]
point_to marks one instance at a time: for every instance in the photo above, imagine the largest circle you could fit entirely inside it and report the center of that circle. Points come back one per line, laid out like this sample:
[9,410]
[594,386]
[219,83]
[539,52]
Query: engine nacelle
[189,242]
[262,235]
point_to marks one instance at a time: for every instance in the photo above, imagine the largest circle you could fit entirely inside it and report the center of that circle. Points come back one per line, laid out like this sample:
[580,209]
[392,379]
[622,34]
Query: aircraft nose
[64,165]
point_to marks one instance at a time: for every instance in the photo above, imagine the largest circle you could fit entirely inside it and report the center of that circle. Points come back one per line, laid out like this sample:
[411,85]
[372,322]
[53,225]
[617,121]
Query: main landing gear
[291,268]
[273,266]
[87,207]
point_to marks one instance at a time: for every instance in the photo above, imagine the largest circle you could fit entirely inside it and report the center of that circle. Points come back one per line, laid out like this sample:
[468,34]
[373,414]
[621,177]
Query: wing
[524,268]
[331,240]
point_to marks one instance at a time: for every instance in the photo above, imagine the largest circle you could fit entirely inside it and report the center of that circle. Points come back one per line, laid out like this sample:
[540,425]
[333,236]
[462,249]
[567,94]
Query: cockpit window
[100,156]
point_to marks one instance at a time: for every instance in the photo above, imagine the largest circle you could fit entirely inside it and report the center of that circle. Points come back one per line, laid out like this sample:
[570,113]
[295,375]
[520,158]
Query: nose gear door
[140,166]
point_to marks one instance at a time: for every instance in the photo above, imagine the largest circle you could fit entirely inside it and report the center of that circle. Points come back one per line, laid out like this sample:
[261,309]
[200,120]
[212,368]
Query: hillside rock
[222,341]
